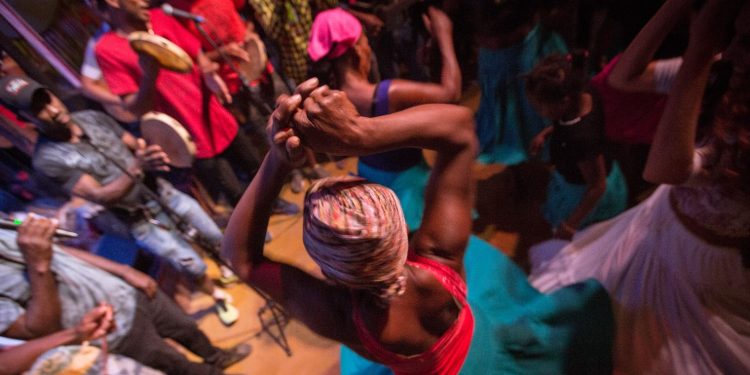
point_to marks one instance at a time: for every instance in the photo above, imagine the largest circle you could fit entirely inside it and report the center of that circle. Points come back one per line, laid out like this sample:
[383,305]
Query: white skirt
[682,306]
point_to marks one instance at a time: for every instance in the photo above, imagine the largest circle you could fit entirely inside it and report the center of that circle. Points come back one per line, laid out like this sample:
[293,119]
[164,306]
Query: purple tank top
[396,160]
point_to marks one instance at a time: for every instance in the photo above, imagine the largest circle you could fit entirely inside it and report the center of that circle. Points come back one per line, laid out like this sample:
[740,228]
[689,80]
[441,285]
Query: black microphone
[13,225]
[172,11]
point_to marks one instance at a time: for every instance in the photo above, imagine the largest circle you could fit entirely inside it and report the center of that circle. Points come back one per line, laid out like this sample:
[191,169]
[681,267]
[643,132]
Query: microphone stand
[278,317]
[258,102]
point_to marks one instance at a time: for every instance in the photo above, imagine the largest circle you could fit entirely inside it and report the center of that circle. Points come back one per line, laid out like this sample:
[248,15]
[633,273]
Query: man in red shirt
[144,87]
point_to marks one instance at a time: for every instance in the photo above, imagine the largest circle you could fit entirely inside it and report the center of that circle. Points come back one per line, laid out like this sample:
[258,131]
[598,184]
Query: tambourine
[253,69]
[169,55]
[163,130]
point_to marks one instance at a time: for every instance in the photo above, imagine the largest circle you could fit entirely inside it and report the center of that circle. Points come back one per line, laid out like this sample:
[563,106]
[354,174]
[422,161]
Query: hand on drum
[149,65]
[236,51]
[151,157]
[216,84]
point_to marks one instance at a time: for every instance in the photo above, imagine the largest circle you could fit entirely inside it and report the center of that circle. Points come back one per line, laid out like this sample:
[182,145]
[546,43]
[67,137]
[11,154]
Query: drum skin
[161,129]
[252,70]
[169,55]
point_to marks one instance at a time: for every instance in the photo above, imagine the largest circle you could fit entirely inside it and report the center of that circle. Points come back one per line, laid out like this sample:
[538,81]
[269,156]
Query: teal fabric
[506,123]
[408,185]
[519,330]
[563,197]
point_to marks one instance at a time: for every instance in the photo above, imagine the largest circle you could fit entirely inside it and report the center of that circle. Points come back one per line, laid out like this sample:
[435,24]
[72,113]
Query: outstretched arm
[670,160]
[330,124]
[43,310]
[95,324]
[404,94]
[635,69]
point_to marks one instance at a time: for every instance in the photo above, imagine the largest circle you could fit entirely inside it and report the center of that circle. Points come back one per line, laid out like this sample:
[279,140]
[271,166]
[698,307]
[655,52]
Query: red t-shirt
[223,24]
[180,95]
[629,117]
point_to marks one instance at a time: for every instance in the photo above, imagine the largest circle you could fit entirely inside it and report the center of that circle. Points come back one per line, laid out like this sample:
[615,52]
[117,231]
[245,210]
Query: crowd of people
[645,268]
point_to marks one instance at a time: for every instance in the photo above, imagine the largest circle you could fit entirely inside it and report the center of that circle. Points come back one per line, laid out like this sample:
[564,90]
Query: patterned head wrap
[356,232]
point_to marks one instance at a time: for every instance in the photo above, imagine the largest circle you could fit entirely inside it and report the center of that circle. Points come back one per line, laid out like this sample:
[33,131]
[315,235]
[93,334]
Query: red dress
[447,355]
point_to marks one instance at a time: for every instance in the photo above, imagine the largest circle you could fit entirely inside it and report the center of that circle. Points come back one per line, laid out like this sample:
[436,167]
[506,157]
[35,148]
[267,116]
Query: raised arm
[42,314]
[143,101]
[330,124]
[670,160]
[304,297]
[244,237]
[635,69]
[95,324]
[404,94]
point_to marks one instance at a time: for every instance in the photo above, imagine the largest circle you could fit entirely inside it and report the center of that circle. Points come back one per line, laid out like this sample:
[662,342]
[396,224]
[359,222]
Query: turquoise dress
[506,123]
[404,171]
[517,329]
[570,144]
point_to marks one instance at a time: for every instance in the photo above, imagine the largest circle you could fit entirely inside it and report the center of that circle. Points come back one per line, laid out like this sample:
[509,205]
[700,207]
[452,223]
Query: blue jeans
[167,241]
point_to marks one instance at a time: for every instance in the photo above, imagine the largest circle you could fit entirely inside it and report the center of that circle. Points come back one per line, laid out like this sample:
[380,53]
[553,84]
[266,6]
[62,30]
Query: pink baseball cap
[333,32]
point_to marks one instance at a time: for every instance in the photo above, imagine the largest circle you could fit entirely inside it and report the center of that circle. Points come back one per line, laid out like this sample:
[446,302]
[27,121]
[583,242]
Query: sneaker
[284,207]
[297,181]
[227,276]
[228,314]
[234,355]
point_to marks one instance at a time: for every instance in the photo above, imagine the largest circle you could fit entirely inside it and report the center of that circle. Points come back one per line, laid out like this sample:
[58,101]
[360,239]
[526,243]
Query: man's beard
[58,132]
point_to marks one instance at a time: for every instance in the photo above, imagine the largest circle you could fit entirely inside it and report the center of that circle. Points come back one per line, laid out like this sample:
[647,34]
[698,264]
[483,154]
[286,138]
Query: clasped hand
[319,118]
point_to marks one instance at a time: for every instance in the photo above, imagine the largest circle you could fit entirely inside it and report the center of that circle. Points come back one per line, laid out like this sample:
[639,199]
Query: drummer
[144,86]
[224,25]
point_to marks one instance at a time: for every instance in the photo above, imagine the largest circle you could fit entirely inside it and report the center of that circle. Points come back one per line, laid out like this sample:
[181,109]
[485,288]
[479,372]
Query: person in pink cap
[341,58]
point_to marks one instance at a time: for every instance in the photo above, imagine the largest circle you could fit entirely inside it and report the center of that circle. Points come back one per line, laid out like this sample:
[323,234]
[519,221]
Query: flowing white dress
[682,305]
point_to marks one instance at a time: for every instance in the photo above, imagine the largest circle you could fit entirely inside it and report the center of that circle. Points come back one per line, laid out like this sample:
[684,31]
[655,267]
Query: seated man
[45,288]
[90,156]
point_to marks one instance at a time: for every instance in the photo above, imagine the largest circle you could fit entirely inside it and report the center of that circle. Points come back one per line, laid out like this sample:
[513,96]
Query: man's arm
[42,315]
[143,101]
[89,188]
[150,157]
[209,70]
[135,278]
[93,325]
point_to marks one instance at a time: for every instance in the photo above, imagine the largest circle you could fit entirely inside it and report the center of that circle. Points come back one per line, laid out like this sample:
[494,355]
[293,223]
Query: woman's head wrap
[356,232]
[333,32]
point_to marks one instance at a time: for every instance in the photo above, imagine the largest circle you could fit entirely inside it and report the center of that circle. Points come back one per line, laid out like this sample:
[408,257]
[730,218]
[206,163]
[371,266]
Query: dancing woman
[396,301]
